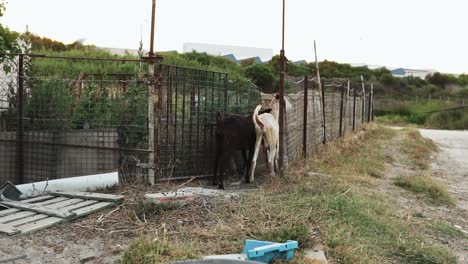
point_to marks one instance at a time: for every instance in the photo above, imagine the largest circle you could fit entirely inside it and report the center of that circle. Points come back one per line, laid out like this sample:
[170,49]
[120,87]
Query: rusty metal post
[341,111]
[354,109]
[281,160]
[20,128]
[322,84]
[304,133]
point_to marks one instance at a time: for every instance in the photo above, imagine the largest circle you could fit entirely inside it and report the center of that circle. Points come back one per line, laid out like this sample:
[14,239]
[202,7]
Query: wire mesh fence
[65,117]
[322,113]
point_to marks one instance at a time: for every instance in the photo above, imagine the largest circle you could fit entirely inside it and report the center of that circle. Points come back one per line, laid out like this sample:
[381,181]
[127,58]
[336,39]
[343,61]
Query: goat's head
[274,103]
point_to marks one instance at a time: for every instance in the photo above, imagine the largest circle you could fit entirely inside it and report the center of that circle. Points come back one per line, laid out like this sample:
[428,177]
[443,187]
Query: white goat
[267,128]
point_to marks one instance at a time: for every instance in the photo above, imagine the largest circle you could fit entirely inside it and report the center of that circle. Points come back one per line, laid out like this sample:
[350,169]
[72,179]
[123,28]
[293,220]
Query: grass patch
[146,210]
[448,229]
[418,148]
[427,186]
[145,250]
[299,232]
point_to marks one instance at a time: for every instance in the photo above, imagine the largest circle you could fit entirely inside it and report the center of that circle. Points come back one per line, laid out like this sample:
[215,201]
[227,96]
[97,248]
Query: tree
[8,41]
[261,75]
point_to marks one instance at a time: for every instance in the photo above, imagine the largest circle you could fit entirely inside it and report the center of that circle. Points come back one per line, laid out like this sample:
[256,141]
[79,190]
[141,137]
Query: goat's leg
[276,158]
[227,153]
[271,160]
[245,165]
[254,159]
[216,162]
[248,165]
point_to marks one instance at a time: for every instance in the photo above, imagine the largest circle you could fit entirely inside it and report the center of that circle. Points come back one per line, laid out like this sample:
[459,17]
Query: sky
[418,34]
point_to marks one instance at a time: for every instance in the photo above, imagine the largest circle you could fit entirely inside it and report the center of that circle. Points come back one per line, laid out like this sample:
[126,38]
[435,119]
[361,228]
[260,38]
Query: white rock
[316,256]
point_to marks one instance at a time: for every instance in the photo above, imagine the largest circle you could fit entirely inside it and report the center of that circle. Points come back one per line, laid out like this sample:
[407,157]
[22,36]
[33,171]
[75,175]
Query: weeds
[145,250]
[448,229]
[418,148]
[427,186]
[145,210]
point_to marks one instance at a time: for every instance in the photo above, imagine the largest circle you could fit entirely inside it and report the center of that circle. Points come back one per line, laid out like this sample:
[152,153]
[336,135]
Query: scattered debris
[40,212]
[461,229]
[88,258]
[187,195]
[315,256]
[10,192]
[262,251]
[11,259]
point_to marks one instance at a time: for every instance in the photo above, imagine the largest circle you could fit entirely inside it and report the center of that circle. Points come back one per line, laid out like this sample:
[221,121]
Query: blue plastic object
[267,252]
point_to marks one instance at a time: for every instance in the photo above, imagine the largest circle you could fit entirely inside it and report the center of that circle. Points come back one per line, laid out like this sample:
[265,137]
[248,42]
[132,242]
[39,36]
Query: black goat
[233,133]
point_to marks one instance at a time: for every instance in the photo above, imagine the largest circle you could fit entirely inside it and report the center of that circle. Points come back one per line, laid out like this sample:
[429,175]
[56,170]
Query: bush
[261,75]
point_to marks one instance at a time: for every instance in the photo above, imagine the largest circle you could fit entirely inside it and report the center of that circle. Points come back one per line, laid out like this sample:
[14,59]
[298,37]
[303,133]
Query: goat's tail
[256,120]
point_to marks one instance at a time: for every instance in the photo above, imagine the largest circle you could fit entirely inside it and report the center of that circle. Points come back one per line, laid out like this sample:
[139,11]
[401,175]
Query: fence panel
[191,100]
[73,120]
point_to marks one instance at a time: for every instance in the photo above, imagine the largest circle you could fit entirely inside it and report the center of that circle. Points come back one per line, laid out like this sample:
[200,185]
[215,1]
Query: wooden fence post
[372,100]
[354,109]
[304,133]
[322,83]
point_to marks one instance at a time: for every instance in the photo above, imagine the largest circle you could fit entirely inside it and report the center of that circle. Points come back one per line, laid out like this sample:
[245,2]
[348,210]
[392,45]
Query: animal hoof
[221,187]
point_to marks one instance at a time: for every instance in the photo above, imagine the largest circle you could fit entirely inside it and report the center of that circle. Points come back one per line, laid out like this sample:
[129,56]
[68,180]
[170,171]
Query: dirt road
[451,164]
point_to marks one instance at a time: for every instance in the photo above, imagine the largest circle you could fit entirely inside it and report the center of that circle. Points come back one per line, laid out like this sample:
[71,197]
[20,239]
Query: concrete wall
[56,155]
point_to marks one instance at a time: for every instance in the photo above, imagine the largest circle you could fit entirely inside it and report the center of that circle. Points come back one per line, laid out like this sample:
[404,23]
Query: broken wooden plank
[44,223]
[9,230]
[91,196]
[38,199]
[79,205]
[91,209]
[8,212]
[65,203]
[40,209]
[52,201]
[13,217]
[27,220]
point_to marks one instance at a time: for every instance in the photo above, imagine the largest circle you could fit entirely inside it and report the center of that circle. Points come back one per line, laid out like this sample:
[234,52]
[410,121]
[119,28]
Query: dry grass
[418,148]
[331,207]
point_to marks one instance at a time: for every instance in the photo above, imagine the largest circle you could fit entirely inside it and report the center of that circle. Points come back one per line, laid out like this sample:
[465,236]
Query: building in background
[232,52]
[401,72]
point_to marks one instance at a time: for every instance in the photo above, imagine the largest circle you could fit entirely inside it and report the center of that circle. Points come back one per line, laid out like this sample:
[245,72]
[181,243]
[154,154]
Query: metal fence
[62,117]
[190,100]
[323,113]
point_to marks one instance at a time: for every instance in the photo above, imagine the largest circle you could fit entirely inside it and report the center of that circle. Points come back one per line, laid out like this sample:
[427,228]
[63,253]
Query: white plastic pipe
[75,184]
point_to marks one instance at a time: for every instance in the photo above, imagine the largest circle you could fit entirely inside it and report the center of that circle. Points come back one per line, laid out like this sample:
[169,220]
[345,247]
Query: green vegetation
[422,113]
[447,229]
[145,250]
[427,186]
